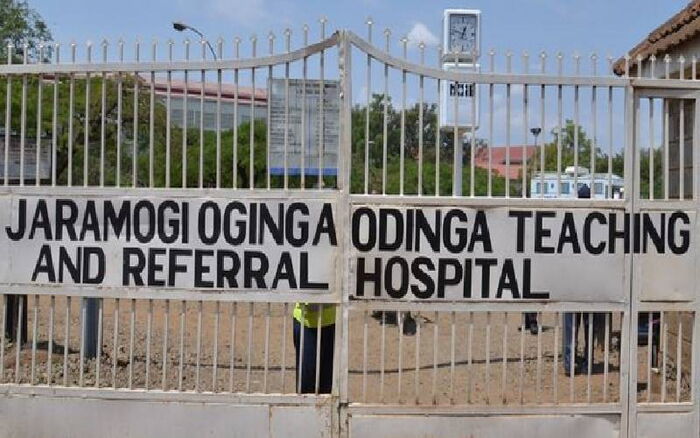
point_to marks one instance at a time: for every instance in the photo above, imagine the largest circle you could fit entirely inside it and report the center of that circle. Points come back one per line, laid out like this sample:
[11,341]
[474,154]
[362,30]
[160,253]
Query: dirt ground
[262,336]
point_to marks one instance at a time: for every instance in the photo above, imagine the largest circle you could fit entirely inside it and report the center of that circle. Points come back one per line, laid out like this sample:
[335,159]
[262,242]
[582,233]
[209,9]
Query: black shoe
[409,325]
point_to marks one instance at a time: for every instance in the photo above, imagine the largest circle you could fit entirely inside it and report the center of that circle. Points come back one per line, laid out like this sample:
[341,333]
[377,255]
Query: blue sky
[608,27]
[605,26]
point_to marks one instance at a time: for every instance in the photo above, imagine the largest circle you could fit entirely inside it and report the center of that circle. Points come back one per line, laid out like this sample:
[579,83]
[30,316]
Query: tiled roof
[679,28]
[194,88]
[498,159]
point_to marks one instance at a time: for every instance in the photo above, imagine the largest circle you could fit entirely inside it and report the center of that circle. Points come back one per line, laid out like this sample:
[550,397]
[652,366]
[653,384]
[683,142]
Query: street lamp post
[536,132]
[181,27]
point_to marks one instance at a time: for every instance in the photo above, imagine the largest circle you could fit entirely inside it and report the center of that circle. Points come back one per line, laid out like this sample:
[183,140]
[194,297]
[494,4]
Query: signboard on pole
[463,95]
[295,126]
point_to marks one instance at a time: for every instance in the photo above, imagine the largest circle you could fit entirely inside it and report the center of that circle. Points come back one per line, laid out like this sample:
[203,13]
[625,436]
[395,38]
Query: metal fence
[400,352]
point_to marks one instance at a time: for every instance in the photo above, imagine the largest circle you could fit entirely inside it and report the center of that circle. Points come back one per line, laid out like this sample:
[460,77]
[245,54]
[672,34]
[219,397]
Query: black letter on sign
[117,222]
[363,277]
[69,221]
[173,223]
[326,225]
[568,234]
[423,277]
[485,265]
[303,225]
[266,221]
[228,274]
[541,232]
[684,234]
[520,235]
[508,280]
[460,231]
[202,225]
[443,280]
[65,261]
[88,252]
[133,270]
[41,220]
[200,269]
[151,213]
[527,286]
[240,225]
[614,233]
[481,232]
[399,292]
[21,222]
[285,271]
[44,264]
[371,229]
[154,266]
[650,232]
[90,221]
[385,245]
[257,274]
[593,249]
[173,266]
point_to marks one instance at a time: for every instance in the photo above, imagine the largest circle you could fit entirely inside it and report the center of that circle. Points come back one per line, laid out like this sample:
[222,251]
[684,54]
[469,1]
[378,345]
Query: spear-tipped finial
[253,43]
[287,39]
[154,49]
[509,60]
[88,48]
[137,50]
[105,44]
[323,20]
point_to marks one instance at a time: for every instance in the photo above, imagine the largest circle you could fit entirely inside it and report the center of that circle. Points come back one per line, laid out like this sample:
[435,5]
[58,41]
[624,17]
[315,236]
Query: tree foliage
[433,158]
[20,24]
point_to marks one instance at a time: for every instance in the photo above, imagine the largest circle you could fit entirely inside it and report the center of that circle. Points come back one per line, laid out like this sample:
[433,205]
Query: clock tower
[459,101]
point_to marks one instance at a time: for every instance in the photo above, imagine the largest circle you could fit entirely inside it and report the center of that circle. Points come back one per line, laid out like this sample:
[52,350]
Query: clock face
[462,33]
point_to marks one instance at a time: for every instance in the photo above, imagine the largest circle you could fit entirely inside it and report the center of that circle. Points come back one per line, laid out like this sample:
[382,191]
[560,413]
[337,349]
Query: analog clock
[462,33]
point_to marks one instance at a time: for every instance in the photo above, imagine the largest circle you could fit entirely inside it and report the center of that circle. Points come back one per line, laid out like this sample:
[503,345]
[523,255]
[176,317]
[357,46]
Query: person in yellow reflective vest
[310,322]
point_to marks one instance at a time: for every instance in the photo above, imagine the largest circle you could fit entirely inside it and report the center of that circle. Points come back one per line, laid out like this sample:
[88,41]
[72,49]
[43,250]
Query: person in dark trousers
[530,322]
[12,318]
[311,321]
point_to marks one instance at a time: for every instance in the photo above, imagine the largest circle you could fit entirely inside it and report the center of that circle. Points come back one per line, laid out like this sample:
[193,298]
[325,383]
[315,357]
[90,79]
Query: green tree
[20,24]
[87,106]
[430,155]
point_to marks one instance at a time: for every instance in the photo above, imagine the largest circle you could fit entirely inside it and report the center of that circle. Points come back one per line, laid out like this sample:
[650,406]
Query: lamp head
[179,26]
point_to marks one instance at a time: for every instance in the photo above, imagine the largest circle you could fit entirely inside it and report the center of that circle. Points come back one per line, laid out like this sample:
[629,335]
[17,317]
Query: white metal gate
[188,204]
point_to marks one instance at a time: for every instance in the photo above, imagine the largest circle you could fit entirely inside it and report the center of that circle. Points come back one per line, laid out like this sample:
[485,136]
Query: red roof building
[498,159]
